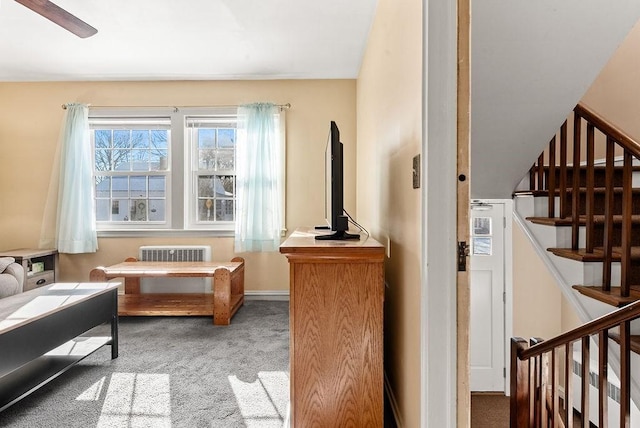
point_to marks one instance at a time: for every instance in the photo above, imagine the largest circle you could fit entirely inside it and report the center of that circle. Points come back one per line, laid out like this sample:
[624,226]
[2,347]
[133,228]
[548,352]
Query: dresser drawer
[40,279]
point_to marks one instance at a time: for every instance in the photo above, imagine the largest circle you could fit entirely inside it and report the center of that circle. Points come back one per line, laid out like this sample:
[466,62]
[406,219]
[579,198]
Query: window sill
[173,233]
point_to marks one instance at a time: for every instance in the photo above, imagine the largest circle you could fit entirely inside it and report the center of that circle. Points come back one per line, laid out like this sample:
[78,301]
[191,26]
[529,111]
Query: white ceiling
[187,39]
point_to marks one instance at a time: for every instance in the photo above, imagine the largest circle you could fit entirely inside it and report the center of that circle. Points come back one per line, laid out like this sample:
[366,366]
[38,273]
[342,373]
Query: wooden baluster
[608,216]
[568,385]
[538,386]
[575,188]
[586,365]
[551,179]
[625,262]
[534,410]
[590,189]
[563,171]
[544,390]
[555,397]
[541,181]
[519,401]
[532,177]
[625,374]
[603,383]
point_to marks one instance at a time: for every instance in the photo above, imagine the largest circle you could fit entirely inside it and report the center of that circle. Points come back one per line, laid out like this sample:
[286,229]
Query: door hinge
[504,297]
[504,372]
[463,252]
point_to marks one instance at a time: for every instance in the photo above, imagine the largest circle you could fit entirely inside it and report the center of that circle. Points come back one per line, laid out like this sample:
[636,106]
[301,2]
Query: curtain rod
[176,108]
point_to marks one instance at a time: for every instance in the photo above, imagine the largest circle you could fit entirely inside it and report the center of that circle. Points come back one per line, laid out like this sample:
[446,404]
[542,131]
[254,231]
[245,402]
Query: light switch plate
[416,172]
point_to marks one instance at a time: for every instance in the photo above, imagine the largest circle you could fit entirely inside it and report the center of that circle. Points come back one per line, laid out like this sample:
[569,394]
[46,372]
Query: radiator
[175,253]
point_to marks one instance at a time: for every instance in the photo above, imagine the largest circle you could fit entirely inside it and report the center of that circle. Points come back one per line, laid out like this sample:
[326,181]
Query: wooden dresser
[336,307]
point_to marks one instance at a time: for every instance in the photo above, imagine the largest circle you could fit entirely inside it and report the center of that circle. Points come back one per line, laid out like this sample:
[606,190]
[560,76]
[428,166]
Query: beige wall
[535,292]
[30,119]
[389,135]
[616,91]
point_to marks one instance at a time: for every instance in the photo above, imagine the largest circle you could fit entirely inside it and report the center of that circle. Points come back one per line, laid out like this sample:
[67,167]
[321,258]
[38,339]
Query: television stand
[339,235]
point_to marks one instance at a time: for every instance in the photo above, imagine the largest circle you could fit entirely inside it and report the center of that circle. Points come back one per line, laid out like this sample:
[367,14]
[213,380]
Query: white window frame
[216,116]
[137,118]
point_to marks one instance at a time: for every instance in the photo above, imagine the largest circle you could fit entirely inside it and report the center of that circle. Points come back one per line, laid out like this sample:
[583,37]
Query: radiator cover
[175,253]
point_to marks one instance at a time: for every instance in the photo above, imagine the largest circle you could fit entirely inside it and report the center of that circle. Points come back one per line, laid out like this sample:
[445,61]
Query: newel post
[520,403]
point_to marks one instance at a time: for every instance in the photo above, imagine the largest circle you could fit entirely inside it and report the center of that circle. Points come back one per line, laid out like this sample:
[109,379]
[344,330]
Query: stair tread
[611,297]
[581,254]
[597,219]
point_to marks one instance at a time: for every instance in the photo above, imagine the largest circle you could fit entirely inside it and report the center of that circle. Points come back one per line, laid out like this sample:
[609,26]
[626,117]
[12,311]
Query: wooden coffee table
[42,333]
[222,304]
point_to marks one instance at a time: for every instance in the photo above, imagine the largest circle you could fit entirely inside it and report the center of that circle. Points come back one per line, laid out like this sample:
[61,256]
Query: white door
[487,319]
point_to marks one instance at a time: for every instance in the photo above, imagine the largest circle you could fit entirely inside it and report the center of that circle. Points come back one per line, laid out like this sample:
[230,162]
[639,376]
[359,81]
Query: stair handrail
[535,391]
[608,128]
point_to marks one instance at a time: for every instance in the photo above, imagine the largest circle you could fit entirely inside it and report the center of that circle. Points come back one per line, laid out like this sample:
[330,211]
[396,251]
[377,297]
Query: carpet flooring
[174,372]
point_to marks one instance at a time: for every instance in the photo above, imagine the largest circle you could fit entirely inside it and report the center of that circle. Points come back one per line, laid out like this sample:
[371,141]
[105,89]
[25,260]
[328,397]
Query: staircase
[588,220]
[597,204]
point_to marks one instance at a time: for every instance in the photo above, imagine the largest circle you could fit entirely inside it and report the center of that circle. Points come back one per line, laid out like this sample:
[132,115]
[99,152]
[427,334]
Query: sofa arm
[17,271]
[11,277]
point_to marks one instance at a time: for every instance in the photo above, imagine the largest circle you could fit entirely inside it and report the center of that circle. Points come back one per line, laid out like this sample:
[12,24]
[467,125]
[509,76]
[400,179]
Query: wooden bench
[227,297]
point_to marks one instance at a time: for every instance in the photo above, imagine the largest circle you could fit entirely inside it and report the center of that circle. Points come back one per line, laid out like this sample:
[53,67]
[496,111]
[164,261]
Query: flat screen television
[334,188]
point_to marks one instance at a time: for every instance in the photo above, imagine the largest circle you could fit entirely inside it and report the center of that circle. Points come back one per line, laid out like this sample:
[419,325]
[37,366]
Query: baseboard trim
[395,412]
[282,295]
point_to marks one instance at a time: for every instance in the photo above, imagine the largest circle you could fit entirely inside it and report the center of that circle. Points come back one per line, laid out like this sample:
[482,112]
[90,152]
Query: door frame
[508,280]
[444,299]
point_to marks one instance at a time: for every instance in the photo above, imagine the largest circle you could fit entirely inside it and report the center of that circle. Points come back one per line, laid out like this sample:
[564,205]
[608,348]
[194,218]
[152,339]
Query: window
[482,241]
[131,170]
[212,143]
[165,168]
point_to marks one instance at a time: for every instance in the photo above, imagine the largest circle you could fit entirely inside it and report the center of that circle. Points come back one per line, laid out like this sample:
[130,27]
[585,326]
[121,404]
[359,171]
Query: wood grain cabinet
[336,331]
[40,266]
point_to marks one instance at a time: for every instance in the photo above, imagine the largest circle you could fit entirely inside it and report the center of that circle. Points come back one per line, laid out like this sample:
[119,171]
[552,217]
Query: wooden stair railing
[554,180]
[535,373]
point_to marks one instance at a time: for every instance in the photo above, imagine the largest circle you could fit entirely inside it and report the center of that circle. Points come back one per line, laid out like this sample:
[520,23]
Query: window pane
[206,159]
[140,138]
[102,209]
[103,160]
[225,160]
[205,186]
[121,138]
[157,187]
[226,185]
[158,160]
[120,187]
[120,160]
[103,189]
[482,226]
[206,138]
[481,246]
[226,138]
[206,210]
[123,210]
[224,209]
[102,139]
[138,186]
[139,160]
[159,139]
[156,209]
[138,210]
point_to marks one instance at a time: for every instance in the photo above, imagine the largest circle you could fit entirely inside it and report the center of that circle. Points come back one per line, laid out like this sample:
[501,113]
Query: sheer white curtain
[259,178]
[75,225]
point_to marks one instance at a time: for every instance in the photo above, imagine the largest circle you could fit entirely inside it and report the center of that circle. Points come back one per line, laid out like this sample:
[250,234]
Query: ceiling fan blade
[60,16]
